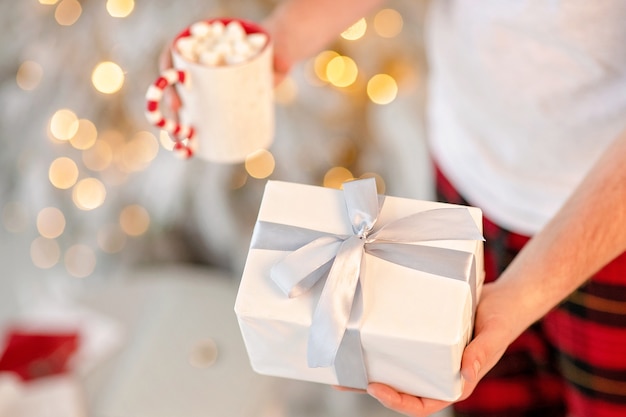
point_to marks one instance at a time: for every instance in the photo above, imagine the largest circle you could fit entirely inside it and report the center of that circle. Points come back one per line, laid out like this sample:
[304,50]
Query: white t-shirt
[524,97]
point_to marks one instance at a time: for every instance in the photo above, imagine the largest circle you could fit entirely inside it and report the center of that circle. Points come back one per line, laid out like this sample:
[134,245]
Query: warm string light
[336,176]
[388,23]
[134,220]
[89,194]
[107,77]
[63,125]
[99,156]
[80,260]
[50,222]
[320,63]
[107,153]
[356,31]
[120,8]
[113,156]
[382,89]
[45,253]
[342,71]
[331,67]
[85,136]
[260,164]
[68,12]
[29,75]
[139,152]
[63,173]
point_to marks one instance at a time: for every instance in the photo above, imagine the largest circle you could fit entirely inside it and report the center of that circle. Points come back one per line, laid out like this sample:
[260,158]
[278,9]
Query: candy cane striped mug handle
[181,134]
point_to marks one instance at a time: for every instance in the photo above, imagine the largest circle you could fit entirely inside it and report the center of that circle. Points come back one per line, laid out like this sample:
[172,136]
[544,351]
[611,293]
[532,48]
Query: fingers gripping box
[347,287]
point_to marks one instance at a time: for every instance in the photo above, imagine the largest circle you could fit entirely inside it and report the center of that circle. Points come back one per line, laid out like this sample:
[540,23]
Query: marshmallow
[216,44]
[187,48]
[200,29]
[242,48]
[223,48]
[211,58]
[234,31]
[217,28]
[205,44]
[257,40]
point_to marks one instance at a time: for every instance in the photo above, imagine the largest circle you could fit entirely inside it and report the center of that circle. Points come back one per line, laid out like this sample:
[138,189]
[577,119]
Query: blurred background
[106,231]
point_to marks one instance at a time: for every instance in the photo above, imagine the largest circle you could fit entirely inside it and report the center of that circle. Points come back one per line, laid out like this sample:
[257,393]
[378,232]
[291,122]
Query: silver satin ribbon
[315,254]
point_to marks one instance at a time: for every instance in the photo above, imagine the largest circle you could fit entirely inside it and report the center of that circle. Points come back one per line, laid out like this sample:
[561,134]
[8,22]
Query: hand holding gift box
[349,287]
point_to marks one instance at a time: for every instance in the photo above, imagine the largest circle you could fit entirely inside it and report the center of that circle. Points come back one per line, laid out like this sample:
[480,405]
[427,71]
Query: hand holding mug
[222,71]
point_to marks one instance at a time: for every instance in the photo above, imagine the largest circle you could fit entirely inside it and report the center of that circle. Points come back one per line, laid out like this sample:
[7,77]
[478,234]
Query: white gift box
[413,325]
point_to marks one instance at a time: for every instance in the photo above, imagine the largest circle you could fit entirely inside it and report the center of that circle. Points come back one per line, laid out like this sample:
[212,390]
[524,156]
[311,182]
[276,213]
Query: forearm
[300,28]
[587,233]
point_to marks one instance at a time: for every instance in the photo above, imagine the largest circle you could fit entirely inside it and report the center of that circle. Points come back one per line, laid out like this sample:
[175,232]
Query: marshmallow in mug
[217,44]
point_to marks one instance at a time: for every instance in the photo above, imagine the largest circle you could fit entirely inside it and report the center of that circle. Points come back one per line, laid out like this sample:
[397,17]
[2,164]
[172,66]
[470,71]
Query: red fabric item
[573,361]
[32,355]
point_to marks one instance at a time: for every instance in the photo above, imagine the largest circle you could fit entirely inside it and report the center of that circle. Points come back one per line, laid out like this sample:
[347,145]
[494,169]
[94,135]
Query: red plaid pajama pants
[570,363]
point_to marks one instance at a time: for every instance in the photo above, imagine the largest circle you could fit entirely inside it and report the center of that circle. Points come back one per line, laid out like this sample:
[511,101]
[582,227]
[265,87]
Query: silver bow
[315,254]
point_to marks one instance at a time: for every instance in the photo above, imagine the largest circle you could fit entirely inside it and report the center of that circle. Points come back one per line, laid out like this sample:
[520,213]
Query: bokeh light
[380,182]
[336,176]
[238,179]
[85,136]
[50,222]
[320,63]
[388,23]
[356,31]
[29,75]
[67,12]
[107,77]
[63,173]
[115,139]
[342,71]
[111,238]
[48,2]
[63,124]
[382,89]
[260,164]
[134,220]
[120,8]
[14,217]
[44,253]
[89,194]
[80,261]
[99,156]
[139,151]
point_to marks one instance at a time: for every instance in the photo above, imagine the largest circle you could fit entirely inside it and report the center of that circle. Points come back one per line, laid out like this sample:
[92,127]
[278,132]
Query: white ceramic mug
[227,111]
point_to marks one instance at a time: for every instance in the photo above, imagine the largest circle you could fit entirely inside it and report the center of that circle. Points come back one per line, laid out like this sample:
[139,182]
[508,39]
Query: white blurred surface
[170,314]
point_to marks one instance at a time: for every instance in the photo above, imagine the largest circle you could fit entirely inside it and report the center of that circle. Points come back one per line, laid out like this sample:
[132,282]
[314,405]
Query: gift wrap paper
[413,325]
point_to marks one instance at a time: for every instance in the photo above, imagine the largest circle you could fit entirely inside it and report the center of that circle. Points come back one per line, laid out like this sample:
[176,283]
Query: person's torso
[524,97]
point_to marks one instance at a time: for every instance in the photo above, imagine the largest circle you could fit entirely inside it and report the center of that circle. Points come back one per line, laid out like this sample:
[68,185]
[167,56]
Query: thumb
[483,352]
